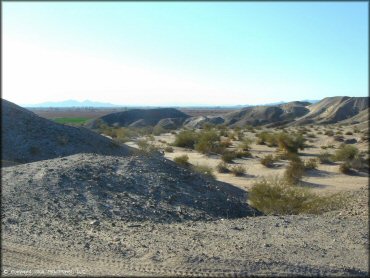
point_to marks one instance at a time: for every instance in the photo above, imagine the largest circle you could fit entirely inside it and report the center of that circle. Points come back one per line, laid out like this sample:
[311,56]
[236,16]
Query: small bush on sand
[329,133]
[345,168]
[277,197]
[209,142]
[146,147]
[222,168]
[238,170]
[186,139]
[290,143]
[242,154]
[168,149]
[349,133]
[267,160]
[204,170]
[310,164]
[245,144]
[182,160]
[294,171]
[346,153]
[325,158]
[228,156]
[225,143]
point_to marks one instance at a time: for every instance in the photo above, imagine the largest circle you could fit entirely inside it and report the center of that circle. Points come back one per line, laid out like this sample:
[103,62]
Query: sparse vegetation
[186,139]
[310,164]
[182,160]
[168,149]
[345,168]
[204,170]
[329,133]
[267,160]
[294,171]
[325,158]
[278,197]
[238,170]
[228,156]
[209,142]
[346,153]
[146,147]
[222,168]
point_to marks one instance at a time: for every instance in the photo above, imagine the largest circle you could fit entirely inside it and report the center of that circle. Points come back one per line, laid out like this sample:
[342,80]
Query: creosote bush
[325,158]
[209,142]
[238,170]
[277,197]
[204,170]
[346,153]
[146,147]
[182,160]
[345,168]
[310,164]
[186,139]
[168,149]
[294,171]
[228,156]
[222,168]
[267,160]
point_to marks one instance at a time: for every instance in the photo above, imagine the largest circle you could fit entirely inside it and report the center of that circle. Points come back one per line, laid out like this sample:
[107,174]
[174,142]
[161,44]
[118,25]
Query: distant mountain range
[89,103]
[73,103]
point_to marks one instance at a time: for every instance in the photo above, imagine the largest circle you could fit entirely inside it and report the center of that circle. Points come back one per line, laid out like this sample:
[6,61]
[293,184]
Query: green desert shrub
[182,160]
[204,170]
[294,171]
[238,170]
[245,144]
[290,143]
[186,139]
[345,168]
[222,168]
[329,133]
[168,149]
[325,158]
[349,133]
[225,143]
[268,160]
[242,154]
[310,164]
[146,147]
[346,153]
[209,142]
[228,156]
[266,138]
[276,196]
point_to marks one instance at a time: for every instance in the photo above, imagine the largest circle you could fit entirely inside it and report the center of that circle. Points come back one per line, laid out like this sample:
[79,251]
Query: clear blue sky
[157,53]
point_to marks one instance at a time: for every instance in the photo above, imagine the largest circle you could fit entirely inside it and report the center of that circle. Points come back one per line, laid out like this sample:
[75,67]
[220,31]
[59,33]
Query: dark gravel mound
[93,187]
[27,137]
[137,117]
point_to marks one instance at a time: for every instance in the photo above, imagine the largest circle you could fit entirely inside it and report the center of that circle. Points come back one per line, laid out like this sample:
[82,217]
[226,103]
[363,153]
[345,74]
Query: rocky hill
[334,109]
[27,137]
[263,115]
[140,118]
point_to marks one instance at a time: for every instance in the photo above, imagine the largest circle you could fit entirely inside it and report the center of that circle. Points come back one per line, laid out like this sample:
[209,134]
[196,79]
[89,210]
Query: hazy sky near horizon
[187,53]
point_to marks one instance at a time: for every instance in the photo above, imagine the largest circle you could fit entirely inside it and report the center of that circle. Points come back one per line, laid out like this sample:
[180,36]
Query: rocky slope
[334,109]
[263,115]
[27,137]
[87,187]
